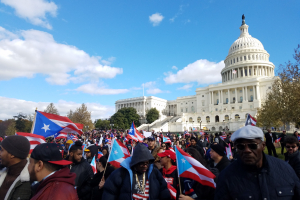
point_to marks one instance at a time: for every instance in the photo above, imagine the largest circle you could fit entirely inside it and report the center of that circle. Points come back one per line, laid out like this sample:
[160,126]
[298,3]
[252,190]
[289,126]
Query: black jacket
[200,149]
[224,162]
[275,180]
[269,141]
[294,161]
[283,136]
[96,192]
[84,173]
[119,184]
[205,143]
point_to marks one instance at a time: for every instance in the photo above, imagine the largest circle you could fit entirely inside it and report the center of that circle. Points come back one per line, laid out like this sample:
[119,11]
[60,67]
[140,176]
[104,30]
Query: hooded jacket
[119,184]
[59,185]
[294,161]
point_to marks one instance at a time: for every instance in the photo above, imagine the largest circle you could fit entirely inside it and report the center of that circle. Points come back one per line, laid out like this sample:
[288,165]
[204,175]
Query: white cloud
[109,61]
[185,87]
[93,88]
[156,18]
[149,84]
[175,68]
[154,91]
[180,11]
[201,71]
[31,52]
[10,107]
[34,11]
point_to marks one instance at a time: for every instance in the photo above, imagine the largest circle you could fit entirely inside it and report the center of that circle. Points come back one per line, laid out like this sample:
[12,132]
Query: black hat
[16,145]
[49,152]
[151,138]
[218,149]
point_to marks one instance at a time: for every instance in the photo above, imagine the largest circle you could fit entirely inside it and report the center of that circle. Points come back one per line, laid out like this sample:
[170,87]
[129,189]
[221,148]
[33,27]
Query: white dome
[246,42]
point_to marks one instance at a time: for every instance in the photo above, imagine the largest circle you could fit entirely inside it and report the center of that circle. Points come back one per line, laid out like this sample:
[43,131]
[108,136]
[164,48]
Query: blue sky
[96,52]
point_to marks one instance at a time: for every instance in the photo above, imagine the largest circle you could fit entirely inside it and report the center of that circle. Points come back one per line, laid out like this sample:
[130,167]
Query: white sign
[147,134]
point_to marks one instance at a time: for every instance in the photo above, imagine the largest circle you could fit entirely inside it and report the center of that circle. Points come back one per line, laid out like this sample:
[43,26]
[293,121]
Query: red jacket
[59,185]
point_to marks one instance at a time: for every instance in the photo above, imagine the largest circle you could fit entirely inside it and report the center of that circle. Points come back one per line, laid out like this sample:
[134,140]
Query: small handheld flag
[166,140]
[189,167]
[278,140]
[94,166]
[250,121]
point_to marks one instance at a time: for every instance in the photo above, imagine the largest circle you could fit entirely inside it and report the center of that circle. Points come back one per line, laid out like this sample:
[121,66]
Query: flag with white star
[44,126]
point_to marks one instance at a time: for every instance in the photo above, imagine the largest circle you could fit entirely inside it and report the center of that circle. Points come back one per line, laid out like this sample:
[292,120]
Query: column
[246,94]
[258,92]
[144,108]
[243,93]
[209,98]
[228,96]
[237,72]
[221,97]
[254,95]
[235,92]
[247,70]
[212,97]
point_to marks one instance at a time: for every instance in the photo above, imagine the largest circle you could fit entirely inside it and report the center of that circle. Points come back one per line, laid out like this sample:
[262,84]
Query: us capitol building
[246,79]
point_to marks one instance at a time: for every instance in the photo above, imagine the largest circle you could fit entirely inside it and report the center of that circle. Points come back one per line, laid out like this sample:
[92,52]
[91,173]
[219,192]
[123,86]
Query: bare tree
[51,109]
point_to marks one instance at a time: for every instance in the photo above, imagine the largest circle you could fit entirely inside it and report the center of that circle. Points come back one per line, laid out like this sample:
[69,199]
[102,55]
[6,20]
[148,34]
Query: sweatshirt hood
[140,154]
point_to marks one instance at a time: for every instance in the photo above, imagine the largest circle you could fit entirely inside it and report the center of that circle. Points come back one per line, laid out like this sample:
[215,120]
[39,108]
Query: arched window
[213,128]
[226,118]
[190,119]
[198,119]
[237,116]
[217,118]
[220,128]
[207,119]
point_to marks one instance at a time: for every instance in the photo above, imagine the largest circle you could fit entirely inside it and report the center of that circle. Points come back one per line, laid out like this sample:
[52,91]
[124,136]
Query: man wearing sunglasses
[255,175]
[292,156]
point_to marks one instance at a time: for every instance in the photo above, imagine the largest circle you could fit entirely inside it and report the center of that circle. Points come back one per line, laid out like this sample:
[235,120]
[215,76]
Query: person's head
[14,149]
[167,157]
[101,163]
[217,152]
[164,146]
[45,159]
[284,132]
[140,161]
[193,141]
[291,144]
[249,142]
[88,153]
[145,140]
[202,137]
[269,130]
[104,151]
[68,143]
[195,154]
[76,152]
[155,152]
[151,142]
[182,142]
[296,133]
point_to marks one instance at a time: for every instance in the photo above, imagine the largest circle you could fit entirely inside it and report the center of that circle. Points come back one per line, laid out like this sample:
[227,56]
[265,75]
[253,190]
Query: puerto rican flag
[278,140]
[69,129]
[223,137]
[74,137]
[60,135]
[186,133]
[94,166]
[202,133]
[135,134]
[166,140]
[250,121]
[46,124]
[171,149]
[34,139]
[108,141]
[118,154]
[100,154]
[189,167]
[172,191]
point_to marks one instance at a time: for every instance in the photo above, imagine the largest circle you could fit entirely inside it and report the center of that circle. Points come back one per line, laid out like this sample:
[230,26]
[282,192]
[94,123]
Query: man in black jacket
[255,175]
[136,179]
[82,169]
[218,158]
[292,156]
[203,143]
[194,145]
[282,140]
[270,139]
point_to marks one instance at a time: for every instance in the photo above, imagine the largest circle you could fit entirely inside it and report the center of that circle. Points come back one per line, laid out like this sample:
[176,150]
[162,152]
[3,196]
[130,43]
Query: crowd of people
[63,169]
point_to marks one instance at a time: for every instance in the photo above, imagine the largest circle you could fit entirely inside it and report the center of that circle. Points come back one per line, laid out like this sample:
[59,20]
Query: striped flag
[60,135]
[135,134]
[172,191]
[33,139]
[93,165]
[250,121]
[189,167]
[166,140]
[278,140]
[118,154]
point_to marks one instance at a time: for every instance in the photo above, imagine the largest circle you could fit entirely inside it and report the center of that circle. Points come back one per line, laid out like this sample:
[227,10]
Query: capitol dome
[246,58]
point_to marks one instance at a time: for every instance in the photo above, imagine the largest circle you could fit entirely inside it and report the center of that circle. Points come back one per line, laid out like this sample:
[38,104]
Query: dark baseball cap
[49,152]
[151,138]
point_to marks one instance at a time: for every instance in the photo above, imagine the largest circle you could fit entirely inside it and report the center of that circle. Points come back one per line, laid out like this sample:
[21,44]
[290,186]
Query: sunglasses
[242,146]
[163,145]
[290,147]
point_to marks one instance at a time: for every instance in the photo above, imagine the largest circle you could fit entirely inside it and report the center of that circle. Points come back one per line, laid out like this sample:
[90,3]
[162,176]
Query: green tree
[102,124]
[152,115]
[282,104]
[11,127]
[20,122]
[124,117]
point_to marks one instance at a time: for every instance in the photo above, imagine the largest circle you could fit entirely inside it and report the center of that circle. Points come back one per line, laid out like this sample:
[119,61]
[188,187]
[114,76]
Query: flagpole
[178,170]
[33,123]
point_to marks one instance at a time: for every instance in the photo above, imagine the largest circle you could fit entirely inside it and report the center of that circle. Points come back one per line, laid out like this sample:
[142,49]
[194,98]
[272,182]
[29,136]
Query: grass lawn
[278,151]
